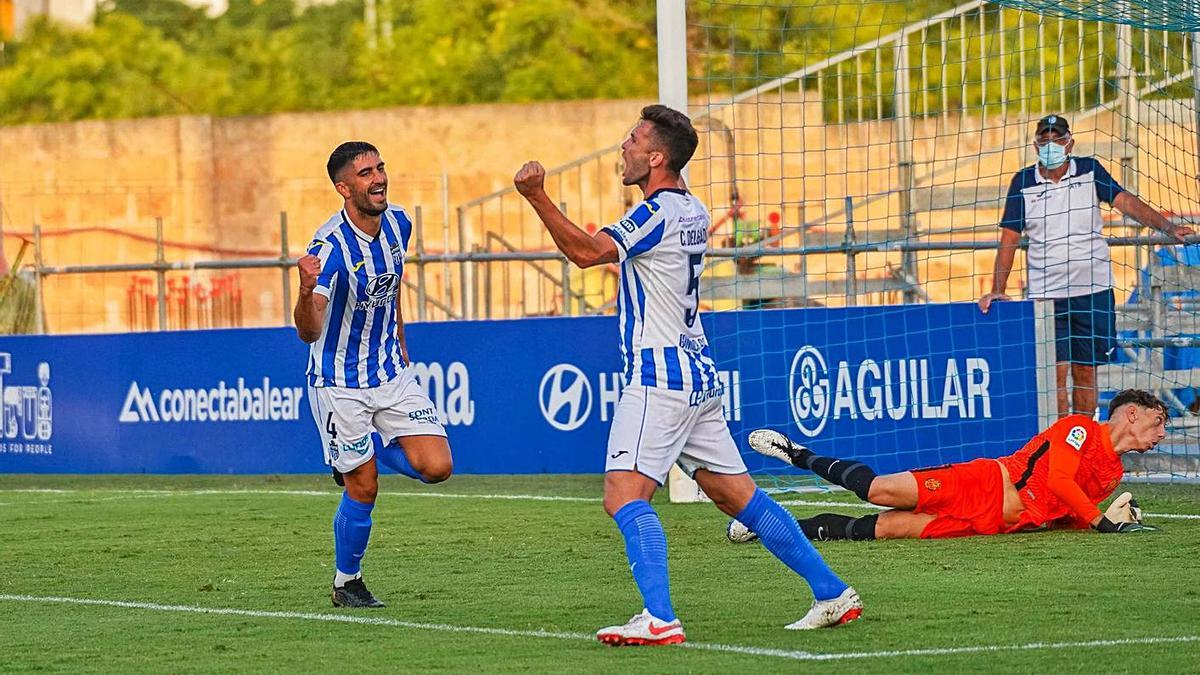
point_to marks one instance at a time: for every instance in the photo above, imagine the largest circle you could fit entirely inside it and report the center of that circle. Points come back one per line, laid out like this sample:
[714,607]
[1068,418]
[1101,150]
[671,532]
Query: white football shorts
[654,428]
[346,417]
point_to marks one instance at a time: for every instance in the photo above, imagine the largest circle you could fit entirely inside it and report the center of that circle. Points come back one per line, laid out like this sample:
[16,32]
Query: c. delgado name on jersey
[661,244]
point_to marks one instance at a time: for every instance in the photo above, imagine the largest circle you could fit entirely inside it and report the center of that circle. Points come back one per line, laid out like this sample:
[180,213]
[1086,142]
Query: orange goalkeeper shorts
[967,498]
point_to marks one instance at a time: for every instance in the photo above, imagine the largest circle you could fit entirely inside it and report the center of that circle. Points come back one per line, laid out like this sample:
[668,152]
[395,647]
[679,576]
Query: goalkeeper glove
[1124,509]
[1109,527]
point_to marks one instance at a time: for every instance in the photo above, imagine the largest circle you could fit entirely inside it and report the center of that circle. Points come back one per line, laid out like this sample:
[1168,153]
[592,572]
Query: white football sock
[341,578]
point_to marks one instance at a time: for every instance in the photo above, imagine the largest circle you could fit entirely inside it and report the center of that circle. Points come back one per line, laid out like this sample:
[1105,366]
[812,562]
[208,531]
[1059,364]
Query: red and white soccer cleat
[643,629]
[844,608]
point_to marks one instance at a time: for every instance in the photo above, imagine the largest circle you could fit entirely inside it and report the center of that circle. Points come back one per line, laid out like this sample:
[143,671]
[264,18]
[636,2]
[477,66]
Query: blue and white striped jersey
[661,244]
[360,275]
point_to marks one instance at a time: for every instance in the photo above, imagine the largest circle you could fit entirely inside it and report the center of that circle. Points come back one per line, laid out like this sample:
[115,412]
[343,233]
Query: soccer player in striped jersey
[367,403]
[1056,480]
[670,408]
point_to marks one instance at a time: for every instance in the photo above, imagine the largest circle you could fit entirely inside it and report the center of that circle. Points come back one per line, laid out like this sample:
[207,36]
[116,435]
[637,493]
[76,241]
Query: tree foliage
[163,57]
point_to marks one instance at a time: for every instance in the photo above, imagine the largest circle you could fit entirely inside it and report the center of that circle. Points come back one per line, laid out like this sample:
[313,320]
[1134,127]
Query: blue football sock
[646,547]
[392,456]
[782,536]
[351,531]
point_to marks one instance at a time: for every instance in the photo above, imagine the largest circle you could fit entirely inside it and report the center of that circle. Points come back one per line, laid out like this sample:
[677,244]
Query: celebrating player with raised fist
[670,410]
[366,401]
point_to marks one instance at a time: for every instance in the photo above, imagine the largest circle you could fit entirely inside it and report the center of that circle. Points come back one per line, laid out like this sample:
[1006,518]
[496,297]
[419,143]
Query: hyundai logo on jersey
[383,285]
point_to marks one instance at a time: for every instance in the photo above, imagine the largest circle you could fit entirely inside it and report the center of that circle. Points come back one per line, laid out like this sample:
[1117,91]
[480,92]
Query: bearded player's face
[364,184]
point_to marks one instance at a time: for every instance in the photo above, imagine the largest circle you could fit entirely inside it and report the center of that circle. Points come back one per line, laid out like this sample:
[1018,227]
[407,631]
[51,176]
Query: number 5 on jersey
[695,266]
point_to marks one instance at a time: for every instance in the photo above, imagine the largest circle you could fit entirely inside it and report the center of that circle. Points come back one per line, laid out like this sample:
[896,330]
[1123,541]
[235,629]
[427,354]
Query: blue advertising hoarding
[900,386]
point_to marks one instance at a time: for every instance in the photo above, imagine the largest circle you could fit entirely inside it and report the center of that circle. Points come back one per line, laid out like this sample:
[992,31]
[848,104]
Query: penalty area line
[579,637]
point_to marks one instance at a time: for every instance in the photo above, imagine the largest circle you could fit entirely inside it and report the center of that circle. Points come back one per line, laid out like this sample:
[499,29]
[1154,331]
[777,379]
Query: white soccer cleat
[844,608]
[774,444]
[739,533]
[643,629]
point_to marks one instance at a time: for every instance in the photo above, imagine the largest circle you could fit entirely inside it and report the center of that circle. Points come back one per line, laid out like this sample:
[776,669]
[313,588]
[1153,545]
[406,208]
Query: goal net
[857,158]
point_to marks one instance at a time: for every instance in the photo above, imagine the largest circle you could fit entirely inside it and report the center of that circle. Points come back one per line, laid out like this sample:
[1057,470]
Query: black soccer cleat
[354,594]
[774,444]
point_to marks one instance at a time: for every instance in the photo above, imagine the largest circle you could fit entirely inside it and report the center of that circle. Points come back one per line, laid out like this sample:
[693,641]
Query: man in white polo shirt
[1056,203]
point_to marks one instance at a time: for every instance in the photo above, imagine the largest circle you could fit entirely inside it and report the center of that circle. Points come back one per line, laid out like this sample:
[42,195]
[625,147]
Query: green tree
[162,57]
[121,68]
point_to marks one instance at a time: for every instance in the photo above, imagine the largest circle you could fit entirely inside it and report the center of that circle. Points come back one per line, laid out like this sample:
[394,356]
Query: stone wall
[219,187]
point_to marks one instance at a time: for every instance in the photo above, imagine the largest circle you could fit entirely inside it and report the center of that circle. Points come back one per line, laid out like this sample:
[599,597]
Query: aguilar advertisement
[901,386]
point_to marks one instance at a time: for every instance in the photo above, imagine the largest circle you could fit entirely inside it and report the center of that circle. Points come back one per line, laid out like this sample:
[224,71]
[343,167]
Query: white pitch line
[51,490]
[984,649]
[134,492]
[862,505]
[578,637]
[297,493]
[1180,516]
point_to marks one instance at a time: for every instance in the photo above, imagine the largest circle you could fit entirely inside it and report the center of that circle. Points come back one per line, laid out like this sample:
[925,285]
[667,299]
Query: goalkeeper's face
[1148,426]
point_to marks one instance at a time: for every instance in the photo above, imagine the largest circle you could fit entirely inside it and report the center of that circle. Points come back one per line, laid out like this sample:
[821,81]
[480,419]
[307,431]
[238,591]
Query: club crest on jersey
[1076,436]
[397,255]
[932,484]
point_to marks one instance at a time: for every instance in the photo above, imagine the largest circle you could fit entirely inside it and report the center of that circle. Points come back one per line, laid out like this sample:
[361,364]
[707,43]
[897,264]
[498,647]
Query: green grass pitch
[447,566]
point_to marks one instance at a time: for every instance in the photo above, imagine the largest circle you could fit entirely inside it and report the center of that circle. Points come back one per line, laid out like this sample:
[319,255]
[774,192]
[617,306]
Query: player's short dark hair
[346,153]
[1140,398]
[675,132]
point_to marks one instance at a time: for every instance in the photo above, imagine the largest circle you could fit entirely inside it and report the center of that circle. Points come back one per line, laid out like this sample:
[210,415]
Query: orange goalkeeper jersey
[1063,473]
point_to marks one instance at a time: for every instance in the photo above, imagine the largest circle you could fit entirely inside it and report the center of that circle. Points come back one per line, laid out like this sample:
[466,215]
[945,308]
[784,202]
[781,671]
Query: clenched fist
[310,269]
[530,179]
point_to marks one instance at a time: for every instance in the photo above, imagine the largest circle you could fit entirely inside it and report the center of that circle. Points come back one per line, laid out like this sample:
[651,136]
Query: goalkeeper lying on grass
[1057,480]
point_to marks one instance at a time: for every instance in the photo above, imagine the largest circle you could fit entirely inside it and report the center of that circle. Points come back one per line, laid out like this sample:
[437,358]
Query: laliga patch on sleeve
[1076,436]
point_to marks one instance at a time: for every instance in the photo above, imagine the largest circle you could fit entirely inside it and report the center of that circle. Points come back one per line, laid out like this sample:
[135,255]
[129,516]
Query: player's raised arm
[581,248]
[316,281]
[310,307]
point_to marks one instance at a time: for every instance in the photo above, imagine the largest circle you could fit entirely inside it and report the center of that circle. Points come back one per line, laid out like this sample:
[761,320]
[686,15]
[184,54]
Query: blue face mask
[1052,155]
